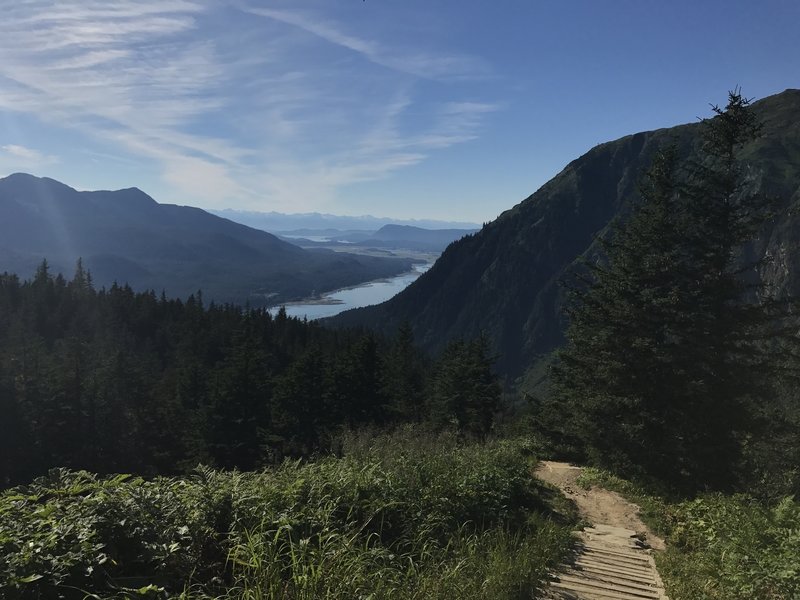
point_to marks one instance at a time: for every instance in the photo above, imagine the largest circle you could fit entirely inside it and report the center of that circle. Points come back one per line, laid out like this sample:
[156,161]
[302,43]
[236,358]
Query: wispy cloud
[125,72]
[426,65]
[22,156]
[239,115]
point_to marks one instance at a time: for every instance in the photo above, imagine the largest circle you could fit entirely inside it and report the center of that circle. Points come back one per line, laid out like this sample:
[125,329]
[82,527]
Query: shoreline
[327,299]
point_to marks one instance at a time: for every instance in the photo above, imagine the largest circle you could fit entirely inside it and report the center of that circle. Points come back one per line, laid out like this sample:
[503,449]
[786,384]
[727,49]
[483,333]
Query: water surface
[373,292]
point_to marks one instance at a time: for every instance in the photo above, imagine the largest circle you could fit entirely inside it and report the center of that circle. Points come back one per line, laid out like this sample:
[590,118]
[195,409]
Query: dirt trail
[613,560]
[596,505]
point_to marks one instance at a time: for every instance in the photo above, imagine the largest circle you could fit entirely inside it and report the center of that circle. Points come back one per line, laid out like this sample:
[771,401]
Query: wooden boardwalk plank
[611,560]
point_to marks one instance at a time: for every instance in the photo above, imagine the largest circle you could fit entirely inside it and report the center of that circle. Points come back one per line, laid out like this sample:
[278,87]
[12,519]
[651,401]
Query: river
[372,292]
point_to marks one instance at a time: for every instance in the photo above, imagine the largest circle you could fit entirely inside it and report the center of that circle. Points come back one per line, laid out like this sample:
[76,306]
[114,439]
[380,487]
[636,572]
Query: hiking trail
[613,559]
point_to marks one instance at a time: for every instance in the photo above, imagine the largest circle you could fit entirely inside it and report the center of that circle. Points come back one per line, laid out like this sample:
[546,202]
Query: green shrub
[408,519]
[720,547]
[733,547]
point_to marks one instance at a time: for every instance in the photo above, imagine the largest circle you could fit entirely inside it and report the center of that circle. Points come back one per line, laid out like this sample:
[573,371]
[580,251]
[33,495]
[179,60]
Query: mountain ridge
[126,236]
[504,279]
[276,222]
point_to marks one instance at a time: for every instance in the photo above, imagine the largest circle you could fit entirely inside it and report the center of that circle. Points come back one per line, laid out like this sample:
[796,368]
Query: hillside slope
[126,236]
[504,280]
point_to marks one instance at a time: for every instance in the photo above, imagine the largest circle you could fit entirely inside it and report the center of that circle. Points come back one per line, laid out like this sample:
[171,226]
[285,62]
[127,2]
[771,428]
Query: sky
[449,109]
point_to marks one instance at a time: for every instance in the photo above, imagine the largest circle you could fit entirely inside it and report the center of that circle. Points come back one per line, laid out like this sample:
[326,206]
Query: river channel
[367,294]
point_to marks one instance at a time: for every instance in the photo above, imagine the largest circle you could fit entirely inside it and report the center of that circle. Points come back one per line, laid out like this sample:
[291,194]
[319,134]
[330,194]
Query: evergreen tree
[465,390]
[618,368]
[82,280]
[402,378]
[298,411]
[240,405]
[14,435]
[667,344]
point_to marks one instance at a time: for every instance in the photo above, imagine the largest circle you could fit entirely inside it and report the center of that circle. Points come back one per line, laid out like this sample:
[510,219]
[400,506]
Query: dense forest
[112,380]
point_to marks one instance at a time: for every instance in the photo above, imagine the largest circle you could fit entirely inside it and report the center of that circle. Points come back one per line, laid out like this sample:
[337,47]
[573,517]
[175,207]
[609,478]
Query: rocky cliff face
[504,279]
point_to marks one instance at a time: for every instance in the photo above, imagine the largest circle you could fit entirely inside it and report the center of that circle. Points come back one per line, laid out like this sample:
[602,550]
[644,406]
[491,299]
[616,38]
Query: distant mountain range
[407,233]
[398,237]
[279,222]
[126,236]
[504,280]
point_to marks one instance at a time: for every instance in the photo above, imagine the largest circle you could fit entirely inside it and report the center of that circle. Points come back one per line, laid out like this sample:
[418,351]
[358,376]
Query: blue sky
[453,109]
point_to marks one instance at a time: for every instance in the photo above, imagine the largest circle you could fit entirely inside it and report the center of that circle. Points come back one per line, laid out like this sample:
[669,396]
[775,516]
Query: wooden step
[589,567]
[643,591]
[643,587]
[634,561]
[605,569]
[583,592]
[616,548]
[606,560]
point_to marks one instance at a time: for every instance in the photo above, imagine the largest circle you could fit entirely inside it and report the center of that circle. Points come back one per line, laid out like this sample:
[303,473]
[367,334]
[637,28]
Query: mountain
[407,234]
[126,236]
[504,279]
[275,222]
[329,234]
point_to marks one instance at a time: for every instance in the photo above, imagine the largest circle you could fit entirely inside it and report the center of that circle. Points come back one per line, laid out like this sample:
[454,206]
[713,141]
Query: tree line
[114,380]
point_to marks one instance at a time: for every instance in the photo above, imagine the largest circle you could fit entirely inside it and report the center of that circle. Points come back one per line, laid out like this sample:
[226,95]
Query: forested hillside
[119,381]
[504,280]
[125,236]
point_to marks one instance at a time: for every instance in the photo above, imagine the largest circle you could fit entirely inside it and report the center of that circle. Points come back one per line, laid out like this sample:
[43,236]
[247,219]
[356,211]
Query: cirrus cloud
[234,105]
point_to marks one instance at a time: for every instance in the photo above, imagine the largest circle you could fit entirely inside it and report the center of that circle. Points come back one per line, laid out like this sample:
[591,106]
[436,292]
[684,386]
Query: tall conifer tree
[668,342]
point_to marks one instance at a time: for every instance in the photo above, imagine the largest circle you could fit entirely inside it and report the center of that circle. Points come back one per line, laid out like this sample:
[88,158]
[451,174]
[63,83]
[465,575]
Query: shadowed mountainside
[504,280]
[126,236]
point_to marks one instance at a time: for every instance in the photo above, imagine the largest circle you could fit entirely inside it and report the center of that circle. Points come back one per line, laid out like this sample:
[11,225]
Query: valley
[410,300]
[126,237]
[592,396]
[365,294]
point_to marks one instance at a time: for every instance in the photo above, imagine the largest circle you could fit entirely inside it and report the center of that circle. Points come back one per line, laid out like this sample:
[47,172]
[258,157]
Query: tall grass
[733,548]
[400,516]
